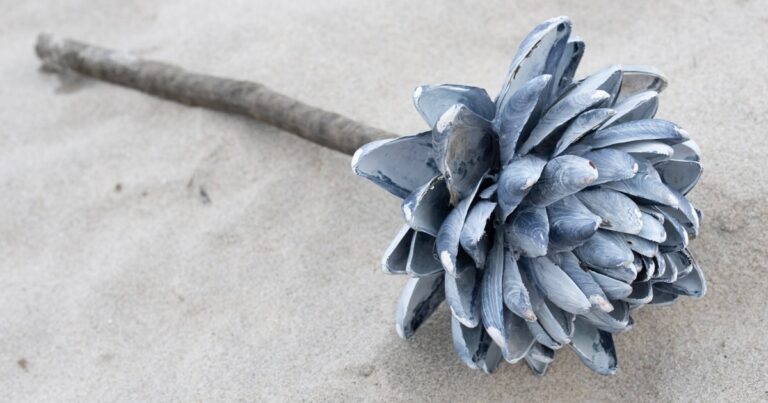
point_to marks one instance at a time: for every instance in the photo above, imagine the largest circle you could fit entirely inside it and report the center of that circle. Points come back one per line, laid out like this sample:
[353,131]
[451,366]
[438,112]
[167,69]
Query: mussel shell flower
[544,217]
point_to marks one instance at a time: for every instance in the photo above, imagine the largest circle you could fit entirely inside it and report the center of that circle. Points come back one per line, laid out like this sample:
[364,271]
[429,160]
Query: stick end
[47,48]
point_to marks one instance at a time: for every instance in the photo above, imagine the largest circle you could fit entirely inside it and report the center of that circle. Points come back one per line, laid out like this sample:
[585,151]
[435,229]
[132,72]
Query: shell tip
[356,160]
[447,118]
[601,303]
[445,259]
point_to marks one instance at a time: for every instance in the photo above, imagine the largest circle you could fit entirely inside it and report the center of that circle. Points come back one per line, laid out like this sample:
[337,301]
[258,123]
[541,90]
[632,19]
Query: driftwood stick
[174,83]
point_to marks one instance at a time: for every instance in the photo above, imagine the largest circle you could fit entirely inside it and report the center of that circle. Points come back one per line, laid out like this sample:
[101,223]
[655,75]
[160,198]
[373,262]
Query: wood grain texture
[171,82]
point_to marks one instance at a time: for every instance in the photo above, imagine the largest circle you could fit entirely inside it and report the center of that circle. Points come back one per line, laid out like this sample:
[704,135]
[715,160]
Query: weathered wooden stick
[174,83]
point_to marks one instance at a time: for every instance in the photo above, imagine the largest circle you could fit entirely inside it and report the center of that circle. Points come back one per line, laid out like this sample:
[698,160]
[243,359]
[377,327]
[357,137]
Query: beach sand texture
[154,251]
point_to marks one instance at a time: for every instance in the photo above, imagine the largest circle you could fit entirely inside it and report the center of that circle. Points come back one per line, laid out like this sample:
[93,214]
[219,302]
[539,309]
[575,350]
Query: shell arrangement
[545,217]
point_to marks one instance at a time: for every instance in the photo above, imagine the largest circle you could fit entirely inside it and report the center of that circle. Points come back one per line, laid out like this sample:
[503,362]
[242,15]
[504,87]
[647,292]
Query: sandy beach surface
[155,252]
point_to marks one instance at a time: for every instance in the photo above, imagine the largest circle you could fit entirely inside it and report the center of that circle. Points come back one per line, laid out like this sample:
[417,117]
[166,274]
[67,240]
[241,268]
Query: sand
[156,252]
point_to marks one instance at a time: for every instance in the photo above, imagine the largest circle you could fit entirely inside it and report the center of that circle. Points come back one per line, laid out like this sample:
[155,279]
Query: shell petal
[618,212]
[641,245]
[583,124]
[448,237]
[563,111]
[692,284]
[422,260]
[570,265]
[515,293]
[539,53]
[613,289]
[561,177]
[680,175]
[555,285]
[687,151]
[420,298]
[515,113]
[473,237]
[649,150]
[431,101]
[612,165]
[637,130]
[527,232]
[539,358]
[641,78]
[426,208]
[570,224]
[652,230]
[569,62]
[594,347]
[519,338]
[607,253]
[463,149]
[661,298]
[398,165]
[466,341]
[646,186]
[491,292]
[615,321]
[515,181]
[639,106]
[463,294]
[677,235]
[396,256]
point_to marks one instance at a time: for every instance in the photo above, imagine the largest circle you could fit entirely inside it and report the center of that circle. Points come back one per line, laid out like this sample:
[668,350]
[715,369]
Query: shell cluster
[543,217]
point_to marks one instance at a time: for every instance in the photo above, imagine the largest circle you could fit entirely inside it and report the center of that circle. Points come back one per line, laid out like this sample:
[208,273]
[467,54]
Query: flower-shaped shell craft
[545,217]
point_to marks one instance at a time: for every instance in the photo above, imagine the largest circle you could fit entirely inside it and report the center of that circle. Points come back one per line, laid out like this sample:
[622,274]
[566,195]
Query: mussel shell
[426,208]
[692,284]
[583,124]
[422,259]
[399,166]
[466,341]
[571,266]
[561,177]
[570,224]
[618,212]
[396,256]
[555,285]
[638,106]
[419,299]
[491,293]
[642,293]
[563,111]
[519,339]
[515,181]
[464,149]
[638,130]
[661,298]
[462,292]
[648,150]
[641,78]
[646,186]
[569,62]
[594,347]
[431,101]
[606,250]
[515,292]
[527,232]
[613,289]
[687,151]
[612,165]
[653,229]
[473,237]
[615,321]
[680,175]
[515,114]
[539,53]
